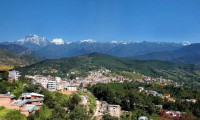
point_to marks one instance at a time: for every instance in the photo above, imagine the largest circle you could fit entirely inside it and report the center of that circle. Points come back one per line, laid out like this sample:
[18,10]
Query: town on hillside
[28,103]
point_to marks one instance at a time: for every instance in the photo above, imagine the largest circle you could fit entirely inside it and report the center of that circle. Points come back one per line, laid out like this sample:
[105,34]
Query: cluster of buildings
[52,83]
[165,96]
[160,81]
[166,113]
[26,104]
[155,93]
[56,83]
[172,114]
[188,100]
[95,77]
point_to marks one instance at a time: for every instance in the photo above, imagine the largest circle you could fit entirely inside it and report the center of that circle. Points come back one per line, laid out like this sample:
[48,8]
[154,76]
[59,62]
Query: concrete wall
[5,101]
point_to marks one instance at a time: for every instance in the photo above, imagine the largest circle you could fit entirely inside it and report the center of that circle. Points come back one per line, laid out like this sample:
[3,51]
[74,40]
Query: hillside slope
[17,49]
[188,54]
[189,74]
[10,58]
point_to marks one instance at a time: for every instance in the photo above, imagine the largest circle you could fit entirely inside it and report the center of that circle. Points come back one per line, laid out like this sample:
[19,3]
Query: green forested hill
[189,74]
[10,58]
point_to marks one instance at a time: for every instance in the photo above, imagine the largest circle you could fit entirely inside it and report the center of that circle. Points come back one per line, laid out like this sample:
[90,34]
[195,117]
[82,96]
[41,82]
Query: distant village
[29,102]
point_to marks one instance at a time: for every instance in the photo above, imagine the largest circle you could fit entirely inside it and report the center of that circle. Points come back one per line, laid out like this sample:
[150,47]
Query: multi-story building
[44,83]
[14,74]
[6,99]
[52,85]
[28,102]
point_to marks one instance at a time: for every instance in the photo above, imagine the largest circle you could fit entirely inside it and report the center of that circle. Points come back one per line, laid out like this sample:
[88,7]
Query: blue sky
[101,20]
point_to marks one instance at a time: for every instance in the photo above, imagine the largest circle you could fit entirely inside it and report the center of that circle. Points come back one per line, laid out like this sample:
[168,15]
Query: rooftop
[31,94]
[7,95]
[166,94]
[114,105]
[29,107]
[18,102]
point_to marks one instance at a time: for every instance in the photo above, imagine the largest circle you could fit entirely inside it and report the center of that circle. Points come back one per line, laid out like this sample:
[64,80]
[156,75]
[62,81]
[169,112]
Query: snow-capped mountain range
[58,48]
[42,41]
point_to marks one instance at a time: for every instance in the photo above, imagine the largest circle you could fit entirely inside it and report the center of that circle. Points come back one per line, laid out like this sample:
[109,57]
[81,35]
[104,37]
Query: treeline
[127,96]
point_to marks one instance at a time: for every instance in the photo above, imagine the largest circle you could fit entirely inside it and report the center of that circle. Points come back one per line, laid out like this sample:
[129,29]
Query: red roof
[166,94]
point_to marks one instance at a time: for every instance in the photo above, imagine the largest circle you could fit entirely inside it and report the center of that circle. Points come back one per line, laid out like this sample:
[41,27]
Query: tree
[79,113]
[43,114]
[33,88]
[49,99]
[3,75]
[73,101]
[3,88]
[59,113]
[15,115]
[109,117]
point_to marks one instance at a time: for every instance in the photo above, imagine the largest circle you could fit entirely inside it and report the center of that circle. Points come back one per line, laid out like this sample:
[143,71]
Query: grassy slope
[4,112]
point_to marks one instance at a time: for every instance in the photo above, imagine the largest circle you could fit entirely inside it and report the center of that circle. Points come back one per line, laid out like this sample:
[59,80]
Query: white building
[141,89]
[72,88]
[114,110]
[67,84]
[143,118]
[14,74]
[52,85]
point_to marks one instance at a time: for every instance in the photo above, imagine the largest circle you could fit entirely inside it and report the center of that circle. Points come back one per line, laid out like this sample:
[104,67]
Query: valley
[135,88]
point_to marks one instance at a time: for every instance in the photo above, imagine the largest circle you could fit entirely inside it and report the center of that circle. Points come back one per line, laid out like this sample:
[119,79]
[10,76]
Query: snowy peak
[35,39]
[186,43]
[125,42]
[88,41]
[58,41]
[114,42]
[131,42]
